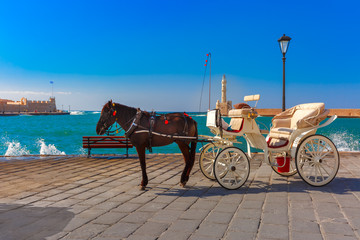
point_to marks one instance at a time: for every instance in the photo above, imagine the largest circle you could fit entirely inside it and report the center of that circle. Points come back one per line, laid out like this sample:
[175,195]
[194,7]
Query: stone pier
[73,197]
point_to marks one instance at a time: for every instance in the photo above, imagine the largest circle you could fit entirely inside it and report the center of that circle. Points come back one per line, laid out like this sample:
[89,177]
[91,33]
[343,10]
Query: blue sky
[151,54]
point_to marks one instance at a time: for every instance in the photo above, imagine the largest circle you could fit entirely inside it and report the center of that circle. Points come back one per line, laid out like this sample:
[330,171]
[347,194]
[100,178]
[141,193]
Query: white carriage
[292,145]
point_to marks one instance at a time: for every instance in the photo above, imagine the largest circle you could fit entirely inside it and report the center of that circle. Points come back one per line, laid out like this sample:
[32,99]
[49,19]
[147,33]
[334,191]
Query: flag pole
[52,88]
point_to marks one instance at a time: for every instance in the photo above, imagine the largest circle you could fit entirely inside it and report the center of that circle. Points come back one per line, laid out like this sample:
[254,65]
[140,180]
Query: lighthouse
[223,89]
[224,105]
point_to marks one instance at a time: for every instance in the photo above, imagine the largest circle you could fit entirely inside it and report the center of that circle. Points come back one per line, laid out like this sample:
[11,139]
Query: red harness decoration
[114,113]
[187,115]
[166,122]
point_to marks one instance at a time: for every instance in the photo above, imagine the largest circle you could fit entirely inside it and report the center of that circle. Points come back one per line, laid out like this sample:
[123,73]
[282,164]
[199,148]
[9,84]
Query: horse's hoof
[142,188]
[183,184]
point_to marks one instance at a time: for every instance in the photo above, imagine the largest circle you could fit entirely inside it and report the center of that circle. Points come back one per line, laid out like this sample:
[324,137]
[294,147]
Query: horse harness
[152,121]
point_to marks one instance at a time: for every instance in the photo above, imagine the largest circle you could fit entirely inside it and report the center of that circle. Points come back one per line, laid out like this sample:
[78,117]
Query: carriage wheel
[291,172]
[231,168]
[317,160]
[207,158]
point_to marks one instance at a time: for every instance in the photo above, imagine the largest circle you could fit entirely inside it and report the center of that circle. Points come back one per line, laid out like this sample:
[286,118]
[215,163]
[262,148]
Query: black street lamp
[284,42]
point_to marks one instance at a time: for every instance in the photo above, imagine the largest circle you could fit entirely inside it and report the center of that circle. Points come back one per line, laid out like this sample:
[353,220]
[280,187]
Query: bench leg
[89,150]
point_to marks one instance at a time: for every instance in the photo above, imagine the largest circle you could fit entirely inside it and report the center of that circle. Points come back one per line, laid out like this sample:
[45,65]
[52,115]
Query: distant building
[224,105]
[27,106]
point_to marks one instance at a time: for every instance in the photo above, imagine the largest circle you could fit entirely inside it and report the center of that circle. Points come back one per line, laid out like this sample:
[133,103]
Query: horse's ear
[112,104]
[109,103]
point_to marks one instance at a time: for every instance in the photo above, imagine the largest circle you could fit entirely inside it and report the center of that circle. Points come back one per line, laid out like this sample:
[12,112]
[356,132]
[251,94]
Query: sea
[27,135]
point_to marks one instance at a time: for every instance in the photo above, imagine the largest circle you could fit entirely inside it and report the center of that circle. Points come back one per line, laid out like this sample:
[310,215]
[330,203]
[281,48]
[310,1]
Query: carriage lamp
[284,42]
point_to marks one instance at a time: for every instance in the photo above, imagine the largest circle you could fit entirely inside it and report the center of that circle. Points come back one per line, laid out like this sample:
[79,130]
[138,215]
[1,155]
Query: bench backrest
[106,141]
[255,97]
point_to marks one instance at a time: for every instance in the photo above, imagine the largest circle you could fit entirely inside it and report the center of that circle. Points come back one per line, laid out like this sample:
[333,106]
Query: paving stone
[92,201]
[337,228]
[120,230]
[195,214]
[340,237]
[272,231]
[307,214]
[230,235]
[214,230]
[275,218]
[351,212]
[91,213]
[86,231]
[276,208]
[200,237]
[84,195]
[153,207]
[110,218]
[306,226]
[166,216]
[219,217]
[306,235]
[229,197]
[248,213]
[165,199]
[179,205]
[244,225]
[141,199]
[204,204]
[171,235]
[48,235]
[152,229]
[79,208]
[75,223]
[127,207]
[141,237]
[249,204]
[226,207]
[138,217]
[184,225]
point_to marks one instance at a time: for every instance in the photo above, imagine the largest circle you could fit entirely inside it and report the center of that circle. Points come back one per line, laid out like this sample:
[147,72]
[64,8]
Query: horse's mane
[126,111]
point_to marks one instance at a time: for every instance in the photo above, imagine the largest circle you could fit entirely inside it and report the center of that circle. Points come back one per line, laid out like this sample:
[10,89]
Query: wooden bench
[90,142]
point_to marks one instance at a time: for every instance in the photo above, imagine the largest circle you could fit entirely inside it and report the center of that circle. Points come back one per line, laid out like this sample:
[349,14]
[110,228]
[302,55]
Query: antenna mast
[206,62]
[209,54]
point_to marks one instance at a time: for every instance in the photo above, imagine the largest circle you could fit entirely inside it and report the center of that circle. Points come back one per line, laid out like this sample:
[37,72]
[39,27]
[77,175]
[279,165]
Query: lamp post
[284,42]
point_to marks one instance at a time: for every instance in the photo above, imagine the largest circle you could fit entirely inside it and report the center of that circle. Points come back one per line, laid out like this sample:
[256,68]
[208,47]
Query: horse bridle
[135,121]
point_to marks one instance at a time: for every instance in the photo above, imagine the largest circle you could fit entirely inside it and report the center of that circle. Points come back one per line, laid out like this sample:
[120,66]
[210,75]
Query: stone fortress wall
[25,105]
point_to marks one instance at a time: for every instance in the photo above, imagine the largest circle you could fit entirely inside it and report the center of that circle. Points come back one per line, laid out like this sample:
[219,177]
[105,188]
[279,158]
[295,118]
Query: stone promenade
[98,198]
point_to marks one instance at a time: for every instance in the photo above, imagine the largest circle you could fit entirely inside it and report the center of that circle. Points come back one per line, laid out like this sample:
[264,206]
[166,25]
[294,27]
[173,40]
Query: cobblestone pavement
[99,198]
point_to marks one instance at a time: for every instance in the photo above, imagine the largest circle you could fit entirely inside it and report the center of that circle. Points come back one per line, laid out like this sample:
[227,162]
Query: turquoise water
[54,135]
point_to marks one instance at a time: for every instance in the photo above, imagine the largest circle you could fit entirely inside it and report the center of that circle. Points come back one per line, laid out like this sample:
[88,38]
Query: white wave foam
[76,113]
[14,148]
[49,149]
[95,112]
[82,151]
[345,142]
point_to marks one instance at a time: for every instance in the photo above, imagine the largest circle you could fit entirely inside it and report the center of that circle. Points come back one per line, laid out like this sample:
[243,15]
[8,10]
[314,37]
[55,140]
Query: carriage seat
[234,113]
[213,122]
[300,116]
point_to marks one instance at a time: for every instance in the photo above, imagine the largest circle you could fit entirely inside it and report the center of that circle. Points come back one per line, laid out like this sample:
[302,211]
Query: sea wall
[25,105]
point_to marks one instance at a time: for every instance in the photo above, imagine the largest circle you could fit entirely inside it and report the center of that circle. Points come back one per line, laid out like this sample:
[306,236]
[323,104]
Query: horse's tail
[193,143]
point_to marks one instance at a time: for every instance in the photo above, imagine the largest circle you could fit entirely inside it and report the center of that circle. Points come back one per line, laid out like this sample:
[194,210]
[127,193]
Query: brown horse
[146,130]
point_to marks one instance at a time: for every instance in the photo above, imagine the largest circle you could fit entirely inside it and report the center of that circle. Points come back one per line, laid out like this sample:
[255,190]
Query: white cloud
[33,93]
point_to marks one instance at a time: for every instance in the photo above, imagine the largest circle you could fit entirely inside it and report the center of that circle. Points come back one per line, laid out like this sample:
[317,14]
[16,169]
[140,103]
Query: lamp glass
[284,46]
